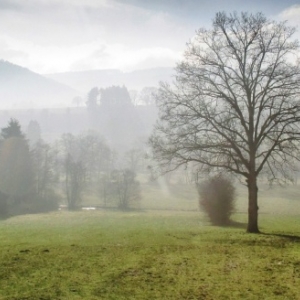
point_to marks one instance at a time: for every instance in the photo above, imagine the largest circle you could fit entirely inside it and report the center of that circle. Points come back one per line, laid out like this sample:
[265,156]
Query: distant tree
[92,99]
[147,95]
[133,159]
[118,117]
[75,181]
[16,169]
[73,169]
[115,96]
[134,96]
[26,181]
[33,132]
[87,159]
[152,177]
[126,189]
[104,182]
[104,191]
[16,166]
[46,176]
[95,155]
[12,130]
[235,103]
[78,101]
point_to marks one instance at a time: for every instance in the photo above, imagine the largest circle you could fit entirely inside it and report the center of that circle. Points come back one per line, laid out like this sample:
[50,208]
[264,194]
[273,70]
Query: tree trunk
[252,205]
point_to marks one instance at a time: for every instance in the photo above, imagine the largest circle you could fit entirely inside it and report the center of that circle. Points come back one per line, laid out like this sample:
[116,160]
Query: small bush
[216,198]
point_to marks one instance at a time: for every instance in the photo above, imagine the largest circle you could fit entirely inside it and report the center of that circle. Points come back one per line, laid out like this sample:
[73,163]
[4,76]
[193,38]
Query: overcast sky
[50,36]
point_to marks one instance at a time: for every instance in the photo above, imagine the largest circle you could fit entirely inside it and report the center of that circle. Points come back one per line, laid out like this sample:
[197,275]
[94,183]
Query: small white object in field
[89,208]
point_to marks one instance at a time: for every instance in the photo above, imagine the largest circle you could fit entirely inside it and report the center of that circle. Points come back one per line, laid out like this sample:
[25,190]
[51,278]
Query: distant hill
[22,88]
[135,80]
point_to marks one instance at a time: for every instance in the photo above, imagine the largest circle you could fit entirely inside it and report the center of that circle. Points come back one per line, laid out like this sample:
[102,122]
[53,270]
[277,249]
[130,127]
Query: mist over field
[149,149]
[83,107]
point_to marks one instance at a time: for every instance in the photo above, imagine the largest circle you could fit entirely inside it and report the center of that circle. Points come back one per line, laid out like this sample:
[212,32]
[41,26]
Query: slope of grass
[147,255]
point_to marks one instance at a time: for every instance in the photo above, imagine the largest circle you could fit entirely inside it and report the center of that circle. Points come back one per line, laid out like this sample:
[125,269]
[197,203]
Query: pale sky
[50,36]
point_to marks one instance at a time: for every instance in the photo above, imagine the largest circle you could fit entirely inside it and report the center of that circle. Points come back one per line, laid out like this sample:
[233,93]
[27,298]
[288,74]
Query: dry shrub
[217,198]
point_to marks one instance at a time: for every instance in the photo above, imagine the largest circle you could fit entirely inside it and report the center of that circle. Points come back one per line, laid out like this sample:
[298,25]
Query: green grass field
[153,254]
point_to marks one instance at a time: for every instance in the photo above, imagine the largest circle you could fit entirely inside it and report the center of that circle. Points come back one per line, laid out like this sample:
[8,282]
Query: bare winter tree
[234,105]
[126,189]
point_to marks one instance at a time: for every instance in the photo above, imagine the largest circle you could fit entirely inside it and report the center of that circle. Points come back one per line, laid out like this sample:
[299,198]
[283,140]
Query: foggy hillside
[27,96]
[22,88]
[136,80]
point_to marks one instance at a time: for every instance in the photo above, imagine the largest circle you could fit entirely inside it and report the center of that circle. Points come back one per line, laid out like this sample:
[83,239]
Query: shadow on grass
[290,237]
[235,224]
[231,224]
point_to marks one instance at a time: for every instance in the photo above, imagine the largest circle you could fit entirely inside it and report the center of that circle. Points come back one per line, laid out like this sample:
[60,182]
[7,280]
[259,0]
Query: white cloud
[93,3]
[61,35]
[292,15]
[118,56]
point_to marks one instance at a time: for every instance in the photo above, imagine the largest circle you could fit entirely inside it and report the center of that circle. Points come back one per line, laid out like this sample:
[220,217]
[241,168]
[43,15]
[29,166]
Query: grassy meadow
[166,253]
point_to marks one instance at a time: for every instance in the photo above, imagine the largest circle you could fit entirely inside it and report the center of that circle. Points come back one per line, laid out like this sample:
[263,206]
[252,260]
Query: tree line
[36,176]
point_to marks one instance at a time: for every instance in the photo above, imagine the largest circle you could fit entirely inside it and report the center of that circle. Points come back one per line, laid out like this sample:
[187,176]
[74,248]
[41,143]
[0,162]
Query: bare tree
[75,181]
[134,96]
[87,161]
[126,189]
[46,175]
[147,95]
[33,133]
[133,159]
[234,105]
[74,169]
